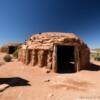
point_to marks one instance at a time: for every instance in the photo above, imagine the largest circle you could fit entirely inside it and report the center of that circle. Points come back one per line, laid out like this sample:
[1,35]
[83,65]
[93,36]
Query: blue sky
[21,18]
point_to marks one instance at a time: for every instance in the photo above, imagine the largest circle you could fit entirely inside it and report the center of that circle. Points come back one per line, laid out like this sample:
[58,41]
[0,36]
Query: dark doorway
[65,59]
[12,49]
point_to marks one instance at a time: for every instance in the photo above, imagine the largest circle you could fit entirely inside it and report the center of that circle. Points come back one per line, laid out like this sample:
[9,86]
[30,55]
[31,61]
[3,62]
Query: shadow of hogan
[93,67]
[12,82]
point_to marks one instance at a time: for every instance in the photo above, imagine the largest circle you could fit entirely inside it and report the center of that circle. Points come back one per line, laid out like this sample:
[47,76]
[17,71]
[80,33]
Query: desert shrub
[97,57]
[7,58]
[92,56]
[15,54]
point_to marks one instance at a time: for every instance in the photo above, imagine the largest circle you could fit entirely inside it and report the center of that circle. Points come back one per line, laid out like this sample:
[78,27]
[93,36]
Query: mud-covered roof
[46,40]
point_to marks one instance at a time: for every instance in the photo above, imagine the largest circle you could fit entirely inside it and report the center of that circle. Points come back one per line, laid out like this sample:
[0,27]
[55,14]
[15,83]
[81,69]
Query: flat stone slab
[3,87]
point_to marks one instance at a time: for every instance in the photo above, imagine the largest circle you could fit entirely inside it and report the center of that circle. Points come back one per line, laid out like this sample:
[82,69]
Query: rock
[50,95]
[48,71]
[48,80]
[3,87]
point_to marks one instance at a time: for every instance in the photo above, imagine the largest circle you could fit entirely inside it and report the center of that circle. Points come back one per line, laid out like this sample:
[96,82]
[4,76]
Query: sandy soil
[33,83]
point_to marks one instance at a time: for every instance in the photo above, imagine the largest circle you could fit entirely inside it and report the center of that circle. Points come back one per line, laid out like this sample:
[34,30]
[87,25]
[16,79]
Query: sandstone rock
[47,80]
[50,95]
[48,71]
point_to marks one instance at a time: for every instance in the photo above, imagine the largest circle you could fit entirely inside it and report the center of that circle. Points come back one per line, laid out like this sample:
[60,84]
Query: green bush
[15,54]
[97,57]
[7,58]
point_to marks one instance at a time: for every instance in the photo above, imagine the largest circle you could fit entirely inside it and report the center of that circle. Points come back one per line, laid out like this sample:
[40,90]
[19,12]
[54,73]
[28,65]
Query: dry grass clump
[7,58]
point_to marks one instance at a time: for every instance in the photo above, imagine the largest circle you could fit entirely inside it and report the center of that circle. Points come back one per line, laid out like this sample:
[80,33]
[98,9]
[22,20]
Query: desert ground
[21,82]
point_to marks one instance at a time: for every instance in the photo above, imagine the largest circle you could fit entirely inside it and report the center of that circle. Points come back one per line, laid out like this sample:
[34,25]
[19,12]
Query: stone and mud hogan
[45,70]
[59,52]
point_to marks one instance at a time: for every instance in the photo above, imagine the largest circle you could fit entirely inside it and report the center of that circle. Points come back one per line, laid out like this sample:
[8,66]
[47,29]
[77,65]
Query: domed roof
[47,39]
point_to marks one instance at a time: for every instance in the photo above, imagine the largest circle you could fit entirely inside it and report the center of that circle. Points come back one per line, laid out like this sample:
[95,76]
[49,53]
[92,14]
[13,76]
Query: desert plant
[7,58]
[15,54]
[97,57]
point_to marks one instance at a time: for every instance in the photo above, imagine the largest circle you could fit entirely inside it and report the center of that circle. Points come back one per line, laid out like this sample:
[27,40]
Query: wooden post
[54,59]
[77,59]
[40,58]
[33,57]
[49,60]
[19,55]
[27,56]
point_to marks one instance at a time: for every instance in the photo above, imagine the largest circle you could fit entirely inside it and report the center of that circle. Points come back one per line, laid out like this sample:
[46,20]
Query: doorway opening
[65,59]
[12,49]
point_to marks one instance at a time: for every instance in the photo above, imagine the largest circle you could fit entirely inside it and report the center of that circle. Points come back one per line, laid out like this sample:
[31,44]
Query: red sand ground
[84,85]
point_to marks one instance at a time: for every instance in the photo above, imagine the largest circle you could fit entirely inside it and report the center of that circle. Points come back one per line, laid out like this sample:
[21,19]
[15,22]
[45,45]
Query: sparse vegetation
[15,54]
[7,58]
[95,54]
[97,57]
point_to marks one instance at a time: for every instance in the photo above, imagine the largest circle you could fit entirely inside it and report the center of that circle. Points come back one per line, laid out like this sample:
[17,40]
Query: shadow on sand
[93,67]
[12,82]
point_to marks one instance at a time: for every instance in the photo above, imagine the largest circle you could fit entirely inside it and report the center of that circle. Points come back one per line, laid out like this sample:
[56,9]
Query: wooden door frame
[76,55]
